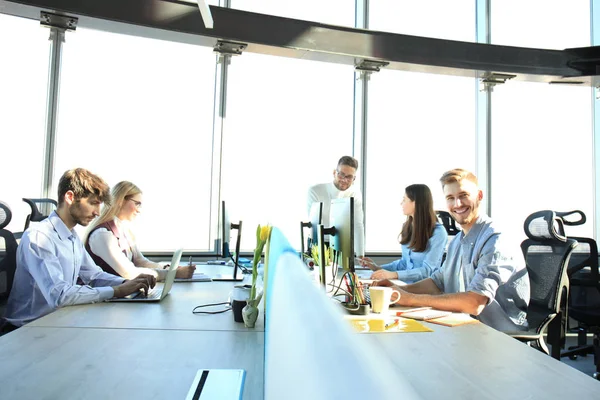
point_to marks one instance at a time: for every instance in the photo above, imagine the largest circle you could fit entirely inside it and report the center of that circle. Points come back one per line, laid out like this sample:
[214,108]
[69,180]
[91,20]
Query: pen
[190,261]
[393,324]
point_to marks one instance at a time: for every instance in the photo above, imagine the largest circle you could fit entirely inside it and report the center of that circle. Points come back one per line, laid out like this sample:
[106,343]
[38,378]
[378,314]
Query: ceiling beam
[265,34]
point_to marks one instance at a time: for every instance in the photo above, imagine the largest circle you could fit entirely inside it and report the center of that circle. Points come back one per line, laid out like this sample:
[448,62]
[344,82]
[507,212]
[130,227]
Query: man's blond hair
[457,175]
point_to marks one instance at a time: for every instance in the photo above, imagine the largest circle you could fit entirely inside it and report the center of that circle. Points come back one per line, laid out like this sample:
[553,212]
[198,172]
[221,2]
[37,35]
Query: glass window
[141,110]
[433,18]
[542,135]
[419,125]
[335,12]
[288,123]
[544,24]
[23,91]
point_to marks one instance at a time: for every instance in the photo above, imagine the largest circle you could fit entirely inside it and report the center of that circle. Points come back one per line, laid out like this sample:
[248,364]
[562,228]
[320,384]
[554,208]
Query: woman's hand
[367,262]
[383,274]
[185,272]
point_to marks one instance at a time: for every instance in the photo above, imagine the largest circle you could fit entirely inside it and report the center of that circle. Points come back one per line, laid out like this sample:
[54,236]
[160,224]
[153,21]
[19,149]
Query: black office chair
[584,297]
[446,219]
[8,254]
[37,215]
[547,251]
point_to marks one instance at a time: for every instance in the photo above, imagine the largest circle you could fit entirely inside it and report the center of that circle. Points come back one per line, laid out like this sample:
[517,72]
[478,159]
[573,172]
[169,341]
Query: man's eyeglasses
[138,204]
[345,177]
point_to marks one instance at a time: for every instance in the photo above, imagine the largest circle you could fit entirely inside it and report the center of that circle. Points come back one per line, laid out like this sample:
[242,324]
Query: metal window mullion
[595,39]
[361,91]
[217,147]
[220,103]
[483,103]
[57,38]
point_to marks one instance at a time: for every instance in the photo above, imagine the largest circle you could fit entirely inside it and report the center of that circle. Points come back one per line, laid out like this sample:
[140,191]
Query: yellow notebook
[377,324]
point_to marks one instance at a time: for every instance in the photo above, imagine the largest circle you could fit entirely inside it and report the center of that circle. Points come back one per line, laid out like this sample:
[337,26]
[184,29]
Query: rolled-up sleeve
[495,267]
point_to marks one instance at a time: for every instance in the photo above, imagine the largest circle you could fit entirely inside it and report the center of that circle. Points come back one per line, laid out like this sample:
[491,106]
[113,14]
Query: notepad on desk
[439,317]
[197,277]
[454,319]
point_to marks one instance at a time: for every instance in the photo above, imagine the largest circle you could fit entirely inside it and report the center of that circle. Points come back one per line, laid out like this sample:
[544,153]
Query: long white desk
[76,363]
[174,312]
[478,362]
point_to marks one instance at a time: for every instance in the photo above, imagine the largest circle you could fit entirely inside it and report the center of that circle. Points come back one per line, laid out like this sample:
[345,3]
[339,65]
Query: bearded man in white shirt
[51,257]
[341,187]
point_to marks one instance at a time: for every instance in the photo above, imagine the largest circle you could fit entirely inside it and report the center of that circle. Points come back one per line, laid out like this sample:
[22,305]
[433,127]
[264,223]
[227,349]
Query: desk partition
[329,361]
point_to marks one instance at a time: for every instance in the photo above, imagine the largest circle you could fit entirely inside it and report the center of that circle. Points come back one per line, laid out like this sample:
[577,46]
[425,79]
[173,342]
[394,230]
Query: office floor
[584,364]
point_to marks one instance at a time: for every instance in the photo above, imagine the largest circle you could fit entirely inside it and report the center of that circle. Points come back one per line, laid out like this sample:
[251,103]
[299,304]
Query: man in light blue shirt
[51,257]
[480,276]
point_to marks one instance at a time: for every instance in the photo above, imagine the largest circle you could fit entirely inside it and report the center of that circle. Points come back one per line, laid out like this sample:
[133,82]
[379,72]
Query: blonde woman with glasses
[112,245]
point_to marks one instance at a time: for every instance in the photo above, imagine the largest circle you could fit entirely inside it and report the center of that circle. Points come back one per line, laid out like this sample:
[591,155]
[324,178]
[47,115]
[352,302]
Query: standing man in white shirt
[341,187]
[51,257]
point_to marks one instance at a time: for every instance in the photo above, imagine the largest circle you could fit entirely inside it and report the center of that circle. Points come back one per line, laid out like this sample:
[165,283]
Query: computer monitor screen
[225,232]
[341,216]
[316,219]
[225,237]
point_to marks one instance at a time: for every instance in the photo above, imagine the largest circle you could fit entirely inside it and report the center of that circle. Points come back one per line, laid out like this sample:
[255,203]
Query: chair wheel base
[596,375]
[573,357]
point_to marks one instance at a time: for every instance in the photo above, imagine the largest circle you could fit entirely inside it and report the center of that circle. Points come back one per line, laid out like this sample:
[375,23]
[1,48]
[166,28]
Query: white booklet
[217,384]
[197,277]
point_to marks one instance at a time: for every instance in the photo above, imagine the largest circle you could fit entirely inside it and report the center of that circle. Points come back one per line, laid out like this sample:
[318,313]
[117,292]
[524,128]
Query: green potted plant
[250,311]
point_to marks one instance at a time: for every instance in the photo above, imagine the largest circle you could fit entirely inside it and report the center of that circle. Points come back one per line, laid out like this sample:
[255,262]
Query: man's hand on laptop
[185,272]
[140,283]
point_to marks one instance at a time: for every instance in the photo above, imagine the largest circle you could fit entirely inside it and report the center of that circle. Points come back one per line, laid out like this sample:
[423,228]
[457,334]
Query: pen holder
[356,309]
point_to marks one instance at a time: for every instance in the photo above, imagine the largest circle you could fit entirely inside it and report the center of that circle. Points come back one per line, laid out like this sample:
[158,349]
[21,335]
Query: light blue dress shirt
[50,257]
[414,265]
[482,262]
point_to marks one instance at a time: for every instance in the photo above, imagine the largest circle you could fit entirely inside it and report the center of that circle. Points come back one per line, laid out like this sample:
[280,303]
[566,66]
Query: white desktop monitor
[341,218]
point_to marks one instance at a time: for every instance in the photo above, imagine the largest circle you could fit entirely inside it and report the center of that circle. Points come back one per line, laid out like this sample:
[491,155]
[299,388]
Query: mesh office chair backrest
[46,206]
[546,251]
[8,252]
[446,219]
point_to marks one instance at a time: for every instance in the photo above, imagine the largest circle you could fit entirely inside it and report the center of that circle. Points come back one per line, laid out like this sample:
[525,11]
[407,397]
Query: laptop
[156,294]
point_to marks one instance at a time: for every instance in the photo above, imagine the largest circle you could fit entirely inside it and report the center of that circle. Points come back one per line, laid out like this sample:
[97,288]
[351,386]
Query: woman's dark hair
[417,230]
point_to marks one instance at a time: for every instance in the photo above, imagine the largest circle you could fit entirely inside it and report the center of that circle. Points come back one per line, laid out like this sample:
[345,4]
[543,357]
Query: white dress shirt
[128,261]
[50,257]
[325,192]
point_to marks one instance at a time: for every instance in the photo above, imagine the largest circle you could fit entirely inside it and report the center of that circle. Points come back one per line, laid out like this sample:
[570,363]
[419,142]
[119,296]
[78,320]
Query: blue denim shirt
[481,262]
[414,265]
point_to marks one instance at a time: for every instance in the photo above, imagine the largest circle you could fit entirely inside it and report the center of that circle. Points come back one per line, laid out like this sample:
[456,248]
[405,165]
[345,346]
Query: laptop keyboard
[152,294]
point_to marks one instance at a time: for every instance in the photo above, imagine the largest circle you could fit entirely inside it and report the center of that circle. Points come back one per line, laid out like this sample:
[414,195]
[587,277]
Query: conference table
[131,350]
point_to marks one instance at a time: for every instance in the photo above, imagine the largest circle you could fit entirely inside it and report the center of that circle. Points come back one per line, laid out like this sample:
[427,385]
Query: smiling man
[51,257]
[480,276]
[343,178]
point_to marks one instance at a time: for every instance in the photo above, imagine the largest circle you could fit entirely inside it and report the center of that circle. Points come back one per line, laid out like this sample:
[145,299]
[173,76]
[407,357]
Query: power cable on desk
[212,305]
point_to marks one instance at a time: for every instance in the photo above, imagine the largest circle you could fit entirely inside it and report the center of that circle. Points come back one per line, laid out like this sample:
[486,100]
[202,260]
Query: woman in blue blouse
[422,238]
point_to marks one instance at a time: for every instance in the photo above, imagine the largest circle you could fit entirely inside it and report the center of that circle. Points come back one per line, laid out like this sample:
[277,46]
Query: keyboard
[152,294]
